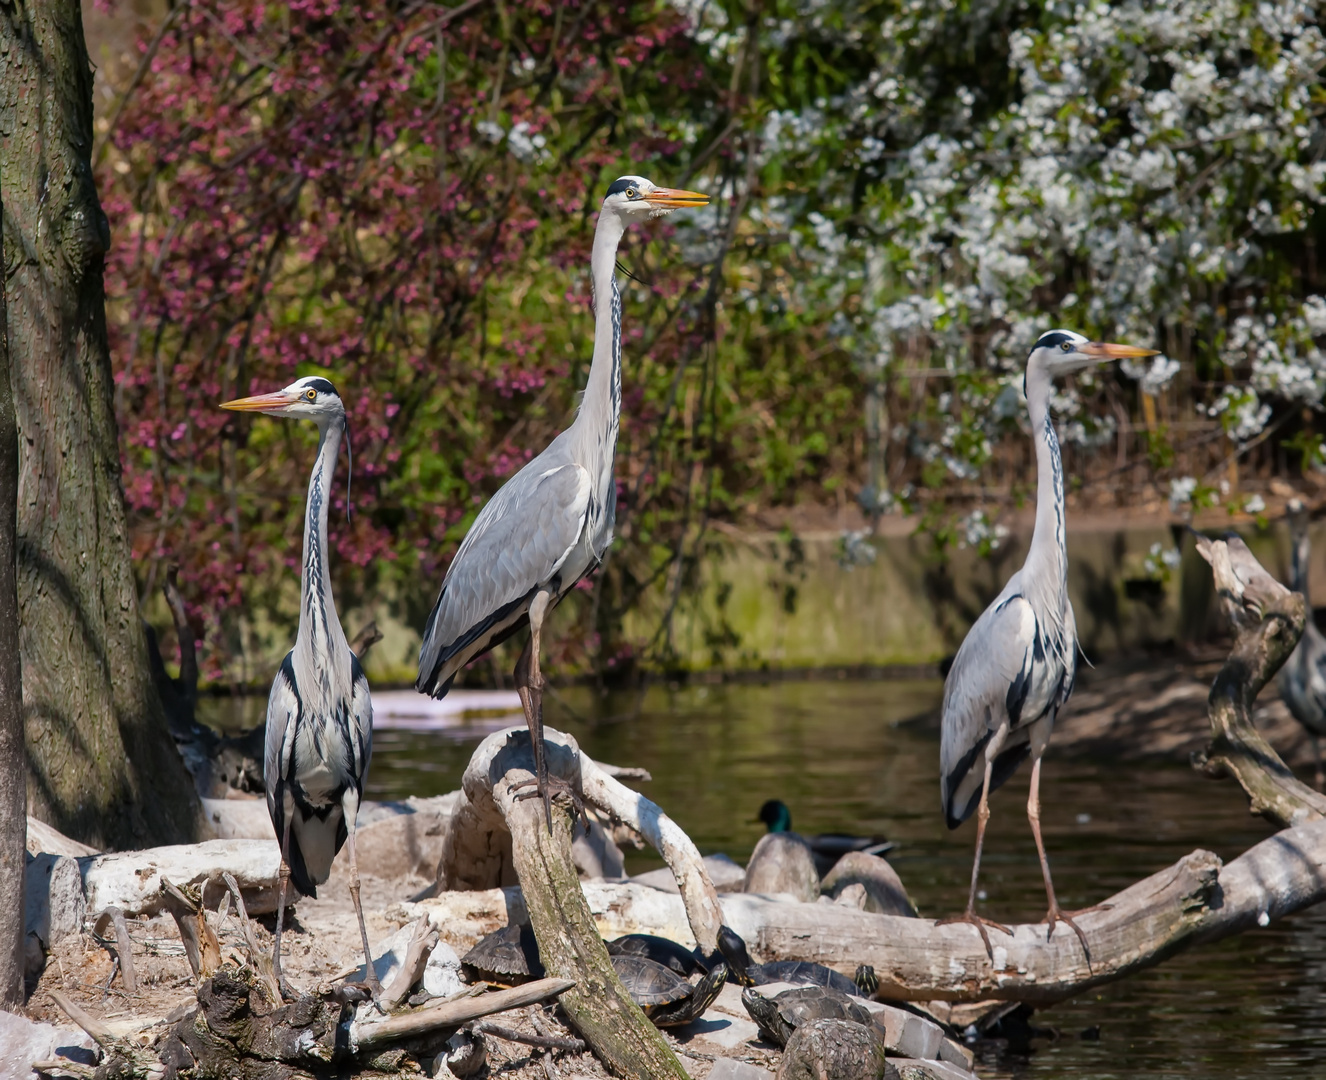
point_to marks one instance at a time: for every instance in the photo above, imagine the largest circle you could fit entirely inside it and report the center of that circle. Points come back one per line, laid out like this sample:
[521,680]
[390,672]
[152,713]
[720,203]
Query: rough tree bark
[101,764]
[13,784]
[569,943]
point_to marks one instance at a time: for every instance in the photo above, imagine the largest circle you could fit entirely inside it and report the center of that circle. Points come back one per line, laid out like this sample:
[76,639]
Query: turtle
[507,957]
[748,973]
[842,1049]
[661,950]
[664,996]
[777,1017]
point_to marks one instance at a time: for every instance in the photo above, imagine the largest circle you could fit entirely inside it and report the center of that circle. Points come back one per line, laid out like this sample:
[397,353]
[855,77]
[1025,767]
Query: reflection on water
[843,757]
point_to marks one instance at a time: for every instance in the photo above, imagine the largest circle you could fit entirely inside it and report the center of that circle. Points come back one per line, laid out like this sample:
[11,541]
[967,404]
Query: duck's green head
[776,815]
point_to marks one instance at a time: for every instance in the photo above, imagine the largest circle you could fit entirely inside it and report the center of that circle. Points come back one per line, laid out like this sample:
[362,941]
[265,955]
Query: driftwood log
[477,853]
[1269,620]
[569,943]
[1194,901]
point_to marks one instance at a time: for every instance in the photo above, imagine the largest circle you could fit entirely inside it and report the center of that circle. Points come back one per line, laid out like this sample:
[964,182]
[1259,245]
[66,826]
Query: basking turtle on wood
[666,998]
[805,972]
[779,1016]
[661,950]
[511,956]
[507,957]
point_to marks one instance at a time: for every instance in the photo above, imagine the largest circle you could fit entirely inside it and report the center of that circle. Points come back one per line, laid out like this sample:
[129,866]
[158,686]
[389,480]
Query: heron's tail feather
[314,841]
[299,872]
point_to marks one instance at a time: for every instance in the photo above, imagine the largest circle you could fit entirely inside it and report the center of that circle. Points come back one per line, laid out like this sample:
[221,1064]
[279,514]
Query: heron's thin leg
[529,684]
[970,916]
[372,977]
[1034,817]
[1316,753]
[284,878]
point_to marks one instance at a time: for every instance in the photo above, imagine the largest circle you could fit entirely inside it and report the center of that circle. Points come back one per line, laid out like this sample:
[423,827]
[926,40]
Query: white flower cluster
[976,530]
[1145,172]
[1160,560]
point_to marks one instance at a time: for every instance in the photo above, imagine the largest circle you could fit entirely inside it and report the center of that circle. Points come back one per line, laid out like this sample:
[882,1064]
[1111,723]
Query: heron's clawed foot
[548,789]
[1054,915]
[980,923]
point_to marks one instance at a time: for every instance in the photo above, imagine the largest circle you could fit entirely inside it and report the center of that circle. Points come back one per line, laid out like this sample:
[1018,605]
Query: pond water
[853,757]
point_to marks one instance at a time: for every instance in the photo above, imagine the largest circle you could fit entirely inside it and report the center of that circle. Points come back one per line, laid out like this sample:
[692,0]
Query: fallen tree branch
[96,1030]
[1269,619]
[422,941]
[1195,900]
[202,948]
[453,1014]
[113,918]
[477,851]
[259,959]
[543,1042]
[569,944]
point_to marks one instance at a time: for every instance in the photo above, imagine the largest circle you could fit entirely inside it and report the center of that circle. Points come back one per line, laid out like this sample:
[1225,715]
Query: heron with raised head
[1015,668]
[550,524]
[1302,681]
[319,715]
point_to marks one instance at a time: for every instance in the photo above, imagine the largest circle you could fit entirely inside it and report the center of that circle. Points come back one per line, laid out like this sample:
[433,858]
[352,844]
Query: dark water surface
[845,757]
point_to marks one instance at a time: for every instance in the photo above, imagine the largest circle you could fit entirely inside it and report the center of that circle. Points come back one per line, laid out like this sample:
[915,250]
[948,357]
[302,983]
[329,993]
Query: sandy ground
[319,945]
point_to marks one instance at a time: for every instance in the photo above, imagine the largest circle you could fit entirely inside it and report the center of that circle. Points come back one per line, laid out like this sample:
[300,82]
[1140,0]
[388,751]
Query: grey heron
[319,714]
[1302,681]
[550,524]
[1015,668]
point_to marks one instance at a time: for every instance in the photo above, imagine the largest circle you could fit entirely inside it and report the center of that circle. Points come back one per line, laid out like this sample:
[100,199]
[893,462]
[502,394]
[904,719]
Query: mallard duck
[826,848]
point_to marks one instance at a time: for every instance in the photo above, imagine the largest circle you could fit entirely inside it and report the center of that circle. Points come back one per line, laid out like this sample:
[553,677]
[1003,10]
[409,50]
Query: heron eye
[631,193]
[1067,346]
[311,394]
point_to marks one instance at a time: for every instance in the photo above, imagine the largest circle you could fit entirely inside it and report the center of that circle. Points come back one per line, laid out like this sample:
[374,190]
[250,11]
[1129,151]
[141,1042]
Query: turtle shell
[509,955]
[803,973]
[661,950]
[650,983]
[779,1016]
[664,996]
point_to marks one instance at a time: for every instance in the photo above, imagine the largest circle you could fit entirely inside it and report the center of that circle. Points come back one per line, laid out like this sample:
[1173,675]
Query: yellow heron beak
[1106,350]
[675,199]
[259,402]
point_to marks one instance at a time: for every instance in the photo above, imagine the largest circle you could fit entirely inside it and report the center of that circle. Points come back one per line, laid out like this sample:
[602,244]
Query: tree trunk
[101,763]
[13,793]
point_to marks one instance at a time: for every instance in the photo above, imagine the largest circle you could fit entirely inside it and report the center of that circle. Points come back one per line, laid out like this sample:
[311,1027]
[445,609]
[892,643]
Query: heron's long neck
[321,643]
[600,409]
[1048,556]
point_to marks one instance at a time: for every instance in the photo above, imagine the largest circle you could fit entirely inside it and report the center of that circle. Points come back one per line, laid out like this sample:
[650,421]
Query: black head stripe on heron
[1302,680]
[550,524]
[319,716]
[1015,668]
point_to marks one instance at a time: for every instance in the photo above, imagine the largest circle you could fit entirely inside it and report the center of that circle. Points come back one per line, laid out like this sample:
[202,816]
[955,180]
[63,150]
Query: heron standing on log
[1015,668]
[319,715]
[1302,681]
[550,524]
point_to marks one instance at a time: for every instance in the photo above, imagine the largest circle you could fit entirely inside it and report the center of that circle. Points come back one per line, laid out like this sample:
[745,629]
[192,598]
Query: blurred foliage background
[401,195]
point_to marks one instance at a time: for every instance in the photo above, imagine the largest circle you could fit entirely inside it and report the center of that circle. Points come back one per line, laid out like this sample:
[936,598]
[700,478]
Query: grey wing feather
[282,716]
[361,724]
[517,543]
[995,655]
